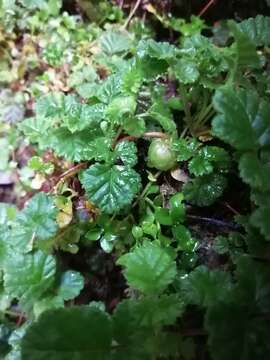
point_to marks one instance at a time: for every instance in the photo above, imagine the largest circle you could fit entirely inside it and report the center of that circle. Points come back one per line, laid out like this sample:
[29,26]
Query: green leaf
[109,89]
[205,190]
[203,286]
[186,71]
[163,216]
[185,148]
[107,242]
[126,151]
[158,50]
[7,213]
[47,303]
[246,54]
[221,245]
[74,147]
[71,284]
[177,208]
[36,163]
[243,119]
[36,221]
[182,235]
[260,219]
[72,333]
[27,277]
[50,105]
[254,172]
[110,187]
[245,336]
[36,130]
[208,158]
[134,126]
[257,29]
[74,115]
[121,107]
[232,320]
[162,114]
[149,312]
[149,268]
[115,42]
[210,60]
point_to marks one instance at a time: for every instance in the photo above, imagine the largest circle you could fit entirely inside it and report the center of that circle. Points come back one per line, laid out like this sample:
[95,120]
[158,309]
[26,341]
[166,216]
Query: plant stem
[69,173]
[188,117]
[216,222]
[131,14]
[149,202]
[150,134]
[156,134]
[145,190]
[116,137]
[206,7]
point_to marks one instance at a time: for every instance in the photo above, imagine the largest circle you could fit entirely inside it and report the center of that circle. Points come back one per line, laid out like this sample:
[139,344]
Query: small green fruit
[161,155]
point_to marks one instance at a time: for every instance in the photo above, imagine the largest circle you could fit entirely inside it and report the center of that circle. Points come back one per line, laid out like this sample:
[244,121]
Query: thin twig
[131,14]
[150,134]
[214,221]
[69,173]
[206,7]
[228,206]
[155,134]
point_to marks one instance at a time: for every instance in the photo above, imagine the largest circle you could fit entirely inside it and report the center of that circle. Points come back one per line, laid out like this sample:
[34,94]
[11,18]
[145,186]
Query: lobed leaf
[149,268]
[72,333]
[110,187]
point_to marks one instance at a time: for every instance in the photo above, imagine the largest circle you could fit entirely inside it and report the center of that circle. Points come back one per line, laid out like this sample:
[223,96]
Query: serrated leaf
[109,89]
[243,120]
[260,219]
[84,75]
[36,221]
[47,303]
[245,336]
[202,286]
[151,68]
[254,172]
[120,107]
[67,109]
[182,235]
[185,149]
[158,311]
[186,71]
[50,105]
[79,332]
[7,213]
[208,158]
[232,320]
[28,276]
[110,187]
[162,114]
[36,130]
[115,42]
[74,147]
[257,29]
[71,284]
[127,152]
[149,268]
[132,315]
[246,54]
[205,190]
[158,50]
[134,126]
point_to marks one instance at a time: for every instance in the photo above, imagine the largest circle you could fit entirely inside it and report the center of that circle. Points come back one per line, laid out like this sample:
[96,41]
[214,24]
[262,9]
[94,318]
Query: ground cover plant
[135,188]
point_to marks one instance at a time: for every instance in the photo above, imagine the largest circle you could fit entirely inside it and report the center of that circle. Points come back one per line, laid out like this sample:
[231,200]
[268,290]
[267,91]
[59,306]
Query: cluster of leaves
[98,127]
